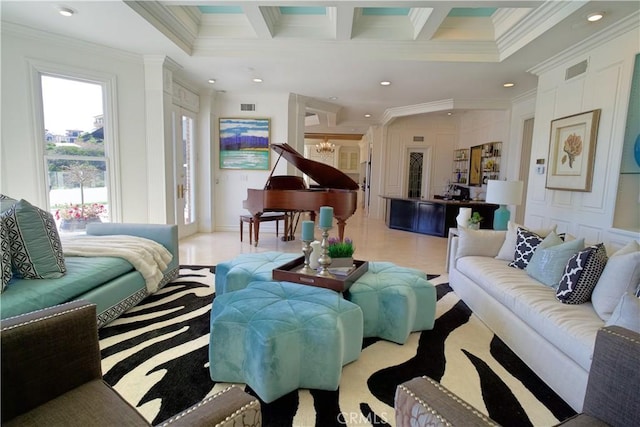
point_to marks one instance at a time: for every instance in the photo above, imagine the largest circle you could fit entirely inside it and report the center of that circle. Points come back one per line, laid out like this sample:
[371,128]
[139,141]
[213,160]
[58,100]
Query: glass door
[185,191]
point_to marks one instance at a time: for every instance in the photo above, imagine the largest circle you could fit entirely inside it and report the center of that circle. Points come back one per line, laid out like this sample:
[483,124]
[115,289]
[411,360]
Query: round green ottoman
[277,337]
[395,301]
[246,268]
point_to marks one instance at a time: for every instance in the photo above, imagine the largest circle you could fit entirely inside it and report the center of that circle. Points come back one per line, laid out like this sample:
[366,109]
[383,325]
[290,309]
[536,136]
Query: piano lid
[326,176]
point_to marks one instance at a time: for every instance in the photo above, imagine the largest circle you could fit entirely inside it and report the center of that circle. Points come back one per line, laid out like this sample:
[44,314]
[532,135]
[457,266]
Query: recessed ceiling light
[65,11]
[257,80]
[333,98]
[593,17]
[212,81]
[449,113]
[509,84]
[385,83]
[367,115]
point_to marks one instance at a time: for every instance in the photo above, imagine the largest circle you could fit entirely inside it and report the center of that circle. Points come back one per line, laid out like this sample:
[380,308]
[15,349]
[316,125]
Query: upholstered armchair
[612,395]
[51,375]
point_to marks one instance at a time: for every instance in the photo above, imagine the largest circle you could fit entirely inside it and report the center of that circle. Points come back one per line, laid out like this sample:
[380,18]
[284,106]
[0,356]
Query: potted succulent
[341,252]
[475,220]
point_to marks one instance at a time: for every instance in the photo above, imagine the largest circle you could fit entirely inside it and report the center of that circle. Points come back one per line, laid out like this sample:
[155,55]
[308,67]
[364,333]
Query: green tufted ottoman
[246,268]
[395,301]
[280,336]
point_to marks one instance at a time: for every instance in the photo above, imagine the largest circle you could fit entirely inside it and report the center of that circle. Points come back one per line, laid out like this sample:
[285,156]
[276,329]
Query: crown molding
[630,23]
[533,25]
[9,28]
[391,114]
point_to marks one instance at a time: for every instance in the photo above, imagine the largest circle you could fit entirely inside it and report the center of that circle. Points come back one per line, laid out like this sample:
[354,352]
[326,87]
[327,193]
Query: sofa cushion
[581,275]
[36,251]
[83,275]
[626,313]
[479,242]
[621,274]
[548,264]
[509,245]
[571,328]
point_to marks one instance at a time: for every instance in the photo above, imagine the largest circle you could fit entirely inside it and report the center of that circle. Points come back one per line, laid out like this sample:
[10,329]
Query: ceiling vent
[247,107]
[418,139]
[576,70]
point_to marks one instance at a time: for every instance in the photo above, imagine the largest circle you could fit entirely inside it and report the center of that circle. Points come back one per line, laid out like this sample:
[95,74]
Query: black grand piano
[289,193]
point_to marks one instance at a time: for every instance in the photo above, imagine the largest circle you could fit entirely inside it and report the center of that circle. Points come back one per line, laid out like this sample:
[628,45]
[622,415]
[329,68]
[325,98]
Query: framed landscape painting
[572,151]
[244,144]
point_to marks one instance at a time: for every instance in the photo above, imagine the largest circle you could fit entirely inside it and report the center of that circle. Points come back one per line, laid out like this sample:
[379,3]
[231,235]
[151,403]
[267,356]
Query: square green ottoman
[277,337]
[395,301]
[246,268]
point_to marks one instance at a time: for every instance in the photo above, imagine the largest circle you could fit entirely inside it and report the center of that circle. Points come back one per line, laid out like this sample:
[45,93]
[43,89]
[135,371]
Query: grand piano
[290,194]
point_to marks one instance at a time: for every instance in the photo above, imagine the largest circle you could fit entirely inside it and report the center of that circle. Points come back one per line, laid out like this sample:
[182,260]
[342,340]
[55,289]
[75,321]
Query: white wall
[440,133]
[21,166]
[605,85]
[230,186]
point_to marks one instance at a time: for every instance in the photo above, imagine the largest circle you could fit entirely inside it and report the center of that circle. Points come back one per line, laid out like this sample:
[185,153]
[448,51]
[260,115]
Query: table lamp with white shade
[503,193]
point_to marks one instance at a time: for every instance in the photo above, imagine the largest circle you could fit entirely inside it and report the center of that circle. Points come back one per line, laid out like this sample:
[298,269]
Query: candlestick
[306,250]
[325,260]
[307,231]
[326,217]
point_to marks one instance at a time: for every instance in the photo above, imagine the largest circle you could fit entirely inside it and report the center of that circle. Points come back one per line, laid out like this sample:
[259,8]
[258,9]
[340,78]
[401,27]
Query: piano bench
[268,216]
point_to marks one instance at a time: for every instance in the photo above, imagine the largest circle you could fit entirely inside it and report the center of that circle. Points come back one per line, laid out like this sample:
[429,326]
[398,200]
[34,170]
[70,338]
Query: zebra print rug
[156,356]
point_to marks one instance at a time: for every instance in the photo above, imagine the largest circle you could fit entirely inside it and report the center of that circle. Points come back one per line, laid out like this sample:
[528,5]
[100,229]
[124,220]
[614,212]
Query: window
[76,150]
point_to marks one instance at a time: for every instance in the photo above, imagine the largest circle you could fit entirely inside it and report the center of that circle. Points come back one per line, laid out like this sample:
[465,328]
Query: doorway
[184,124]
[418,161]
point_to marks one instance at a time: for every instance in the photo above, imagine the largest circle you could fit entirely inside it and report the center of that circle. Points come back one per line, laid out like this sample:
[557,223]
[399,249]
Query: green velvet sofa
[109,282]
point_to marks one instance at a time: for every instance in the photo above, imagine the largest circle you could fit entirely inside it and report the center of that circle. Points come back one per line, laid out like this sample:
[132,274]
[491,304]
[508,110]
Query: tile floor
[374,241]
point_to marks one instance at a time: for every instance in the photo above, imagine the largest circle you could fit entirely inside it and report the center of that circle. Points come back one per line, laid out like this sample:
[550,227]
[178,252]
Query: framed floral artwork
[572,151]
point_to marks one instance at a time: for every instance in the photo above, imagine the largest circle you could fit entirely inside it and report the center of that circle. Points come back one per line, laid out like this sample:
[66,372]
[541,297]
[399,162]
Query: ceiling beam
[262,25]
[342,18]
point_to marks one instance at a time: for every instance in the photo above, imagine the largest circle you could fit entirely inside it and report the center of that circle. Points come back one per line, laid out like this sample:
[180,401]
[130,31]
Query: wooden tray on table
[339,283]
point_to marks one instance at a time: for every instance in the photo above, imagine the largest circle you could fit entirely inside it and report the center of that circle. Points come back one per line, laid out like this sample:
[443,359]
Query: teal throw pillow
[36,250]
[547,264]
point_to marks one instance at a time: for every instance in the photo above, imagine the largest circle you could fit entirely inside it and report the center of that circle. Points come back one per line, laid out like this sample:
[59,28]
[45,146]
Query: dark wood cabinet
[432,217]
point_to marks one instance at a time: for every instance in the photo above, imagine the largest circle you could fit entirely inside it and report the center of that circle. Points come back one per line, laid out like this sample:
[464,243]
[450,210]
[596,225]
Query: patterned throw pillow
[5,255]
[36,250]
[581,275]
[5,251]
[526,244]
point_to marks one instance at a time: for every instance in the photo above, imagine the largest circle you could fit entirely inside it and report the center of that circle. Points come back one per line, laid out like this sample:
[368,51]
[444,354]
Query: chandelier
[325,147]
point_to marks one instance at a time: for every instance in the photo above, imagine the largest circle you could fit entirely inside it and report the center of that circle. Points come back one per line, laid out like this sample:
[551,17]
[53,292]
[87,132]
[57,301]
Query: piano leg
[341,225]
[289,226]
[256,229]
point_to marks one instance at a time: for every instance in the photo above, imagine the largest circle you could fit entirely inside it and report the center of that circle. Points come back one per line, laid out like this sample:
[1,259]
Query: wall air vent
[576,70]
[247,107]
[418,139]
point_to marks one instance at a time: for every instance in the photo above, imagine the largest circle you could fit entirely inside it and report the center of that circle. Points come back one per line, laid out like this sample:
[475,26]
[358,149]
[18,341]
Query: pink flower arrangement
[87,211]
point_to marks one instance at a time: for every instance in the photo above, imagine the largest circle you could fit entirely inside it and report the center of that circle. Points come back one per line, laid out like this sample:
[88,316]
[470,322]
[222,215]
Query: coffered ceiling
[439,56]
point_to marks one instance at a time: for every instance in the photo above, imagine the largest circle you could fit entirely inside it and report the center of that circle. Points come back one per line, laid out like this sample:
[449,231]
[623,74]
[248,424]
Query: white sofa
[554,339]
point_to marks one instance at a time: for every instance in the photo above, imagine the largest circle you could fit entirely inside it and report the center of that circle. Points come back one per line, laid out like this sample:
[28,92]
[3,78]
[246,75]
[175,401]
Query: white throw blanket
[150,258]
